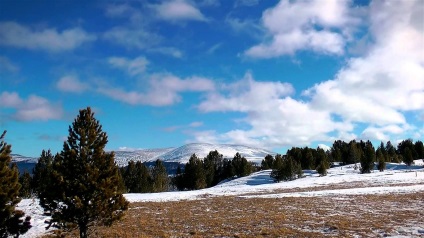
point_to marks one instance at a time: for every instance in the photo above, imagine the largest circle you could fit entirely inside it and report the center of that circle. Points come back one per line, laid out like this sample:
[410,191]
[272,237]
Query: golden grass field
[233,216]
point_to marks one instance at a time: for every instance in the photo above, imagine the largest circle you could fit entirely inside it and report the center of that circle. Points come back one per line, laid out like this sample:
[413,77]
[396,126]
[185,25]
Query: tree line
[362,153]
[208,172]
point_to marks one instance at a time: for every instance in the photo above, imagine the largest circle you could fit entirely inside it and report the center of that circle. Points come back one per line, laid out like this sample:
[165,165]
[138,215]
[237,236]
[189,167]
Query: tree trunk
[83,230]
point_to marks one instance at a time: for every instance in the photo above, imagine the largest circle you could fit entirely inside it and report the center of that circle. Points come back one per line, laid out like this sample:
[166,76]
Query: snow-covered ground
[397,178]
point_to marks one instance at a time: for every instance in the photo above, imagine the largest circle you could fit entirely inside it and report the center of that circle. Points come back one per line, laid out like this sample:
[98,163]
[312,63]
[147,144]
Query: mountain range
[175,155]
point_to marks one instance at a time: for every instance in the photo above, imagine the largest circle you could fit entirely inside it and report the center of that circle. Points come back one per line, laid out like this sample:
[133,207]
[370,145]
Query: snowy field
[340,181]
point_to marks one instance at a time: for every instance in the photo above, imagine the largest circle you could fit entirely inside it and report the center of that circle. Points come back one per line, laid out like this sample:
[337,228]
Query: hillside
[182,154]
[175,155]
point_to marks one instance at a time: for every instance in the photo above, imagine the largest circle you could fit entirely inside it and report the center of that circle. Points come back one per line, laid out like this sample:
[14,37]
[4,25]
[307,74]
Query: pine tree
[144,178]
[11,222]
[419,148]
[213,166]
[323,162]
[391,153]
[42,173]
[160,177]
[267,162]
[26,185]
[178,179]
[130,178]
[85,180]
[368,158]
[241,166]
[286,169]
[381,161]
[353,154]
[408,159]
[194,174]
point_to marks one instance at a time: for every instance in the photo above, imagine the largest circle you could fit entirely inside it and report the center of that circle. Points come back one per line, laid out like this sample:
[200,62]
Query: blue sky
[272,74]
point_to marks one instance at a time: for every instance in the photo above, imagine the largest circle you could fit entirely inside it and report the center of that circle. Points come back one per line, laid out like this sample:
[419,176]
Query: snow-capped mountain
[16,158]
[182,154]
[146,155]
[179,155]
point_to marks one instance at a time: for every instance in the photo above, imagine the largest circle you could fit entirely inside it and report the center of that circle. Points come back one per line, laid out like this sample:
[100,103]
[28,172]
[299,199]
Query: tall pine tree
[160,177]
[368,158]
[42,174]
[85,180]
[11,222]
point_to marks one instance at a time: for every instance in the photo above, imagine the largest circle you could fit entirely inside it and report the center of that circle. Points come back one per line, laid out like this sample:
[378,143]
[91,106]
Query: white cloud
[132,37]
[246,94]
[378,87]
[171,51]
[72,84]
[272,116]
[7,66]
[293,26]
[178,10]
[163,90]
[383,133]
[133,67]
[32,109]
[20,36]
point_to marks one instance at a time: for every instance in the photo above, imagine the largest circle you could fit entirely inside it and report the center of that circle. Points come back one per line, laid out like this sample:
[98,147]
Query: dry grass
[343,216]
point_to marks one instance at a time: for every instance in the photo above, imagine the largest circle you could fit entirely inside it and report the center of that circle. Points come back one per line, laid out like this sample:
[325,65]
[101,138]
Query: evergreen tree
[11,220]
[130,178]
[368,158]
[267,162]
[353,154]
[160,177]
[286,169]
[381,161]
[309,161]
[26,185]
[403,146]
[144,178]
[42,173]
[228,170]
[85,180]
[391,153]
[178,180]
[407,156]
[322,161]
[241,166]
[194,174]
[214,168]
[419,149]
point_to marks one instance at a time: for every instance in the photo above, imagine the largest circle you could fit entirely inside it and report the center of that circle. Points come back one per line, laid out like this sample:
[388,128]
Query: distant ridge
[182,154]
[179,155]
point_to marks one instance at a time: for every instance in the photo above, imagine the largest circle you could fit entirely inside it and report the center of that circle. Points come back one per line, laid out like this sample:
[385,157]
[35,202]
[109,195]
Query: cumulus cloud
[374,89]
[163,90]
[378,87]
[383,133]
[32,109]
[16,35]
[320,26]
[178,10]
[133,67]
[71,84]
[272,116]
[246,94]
